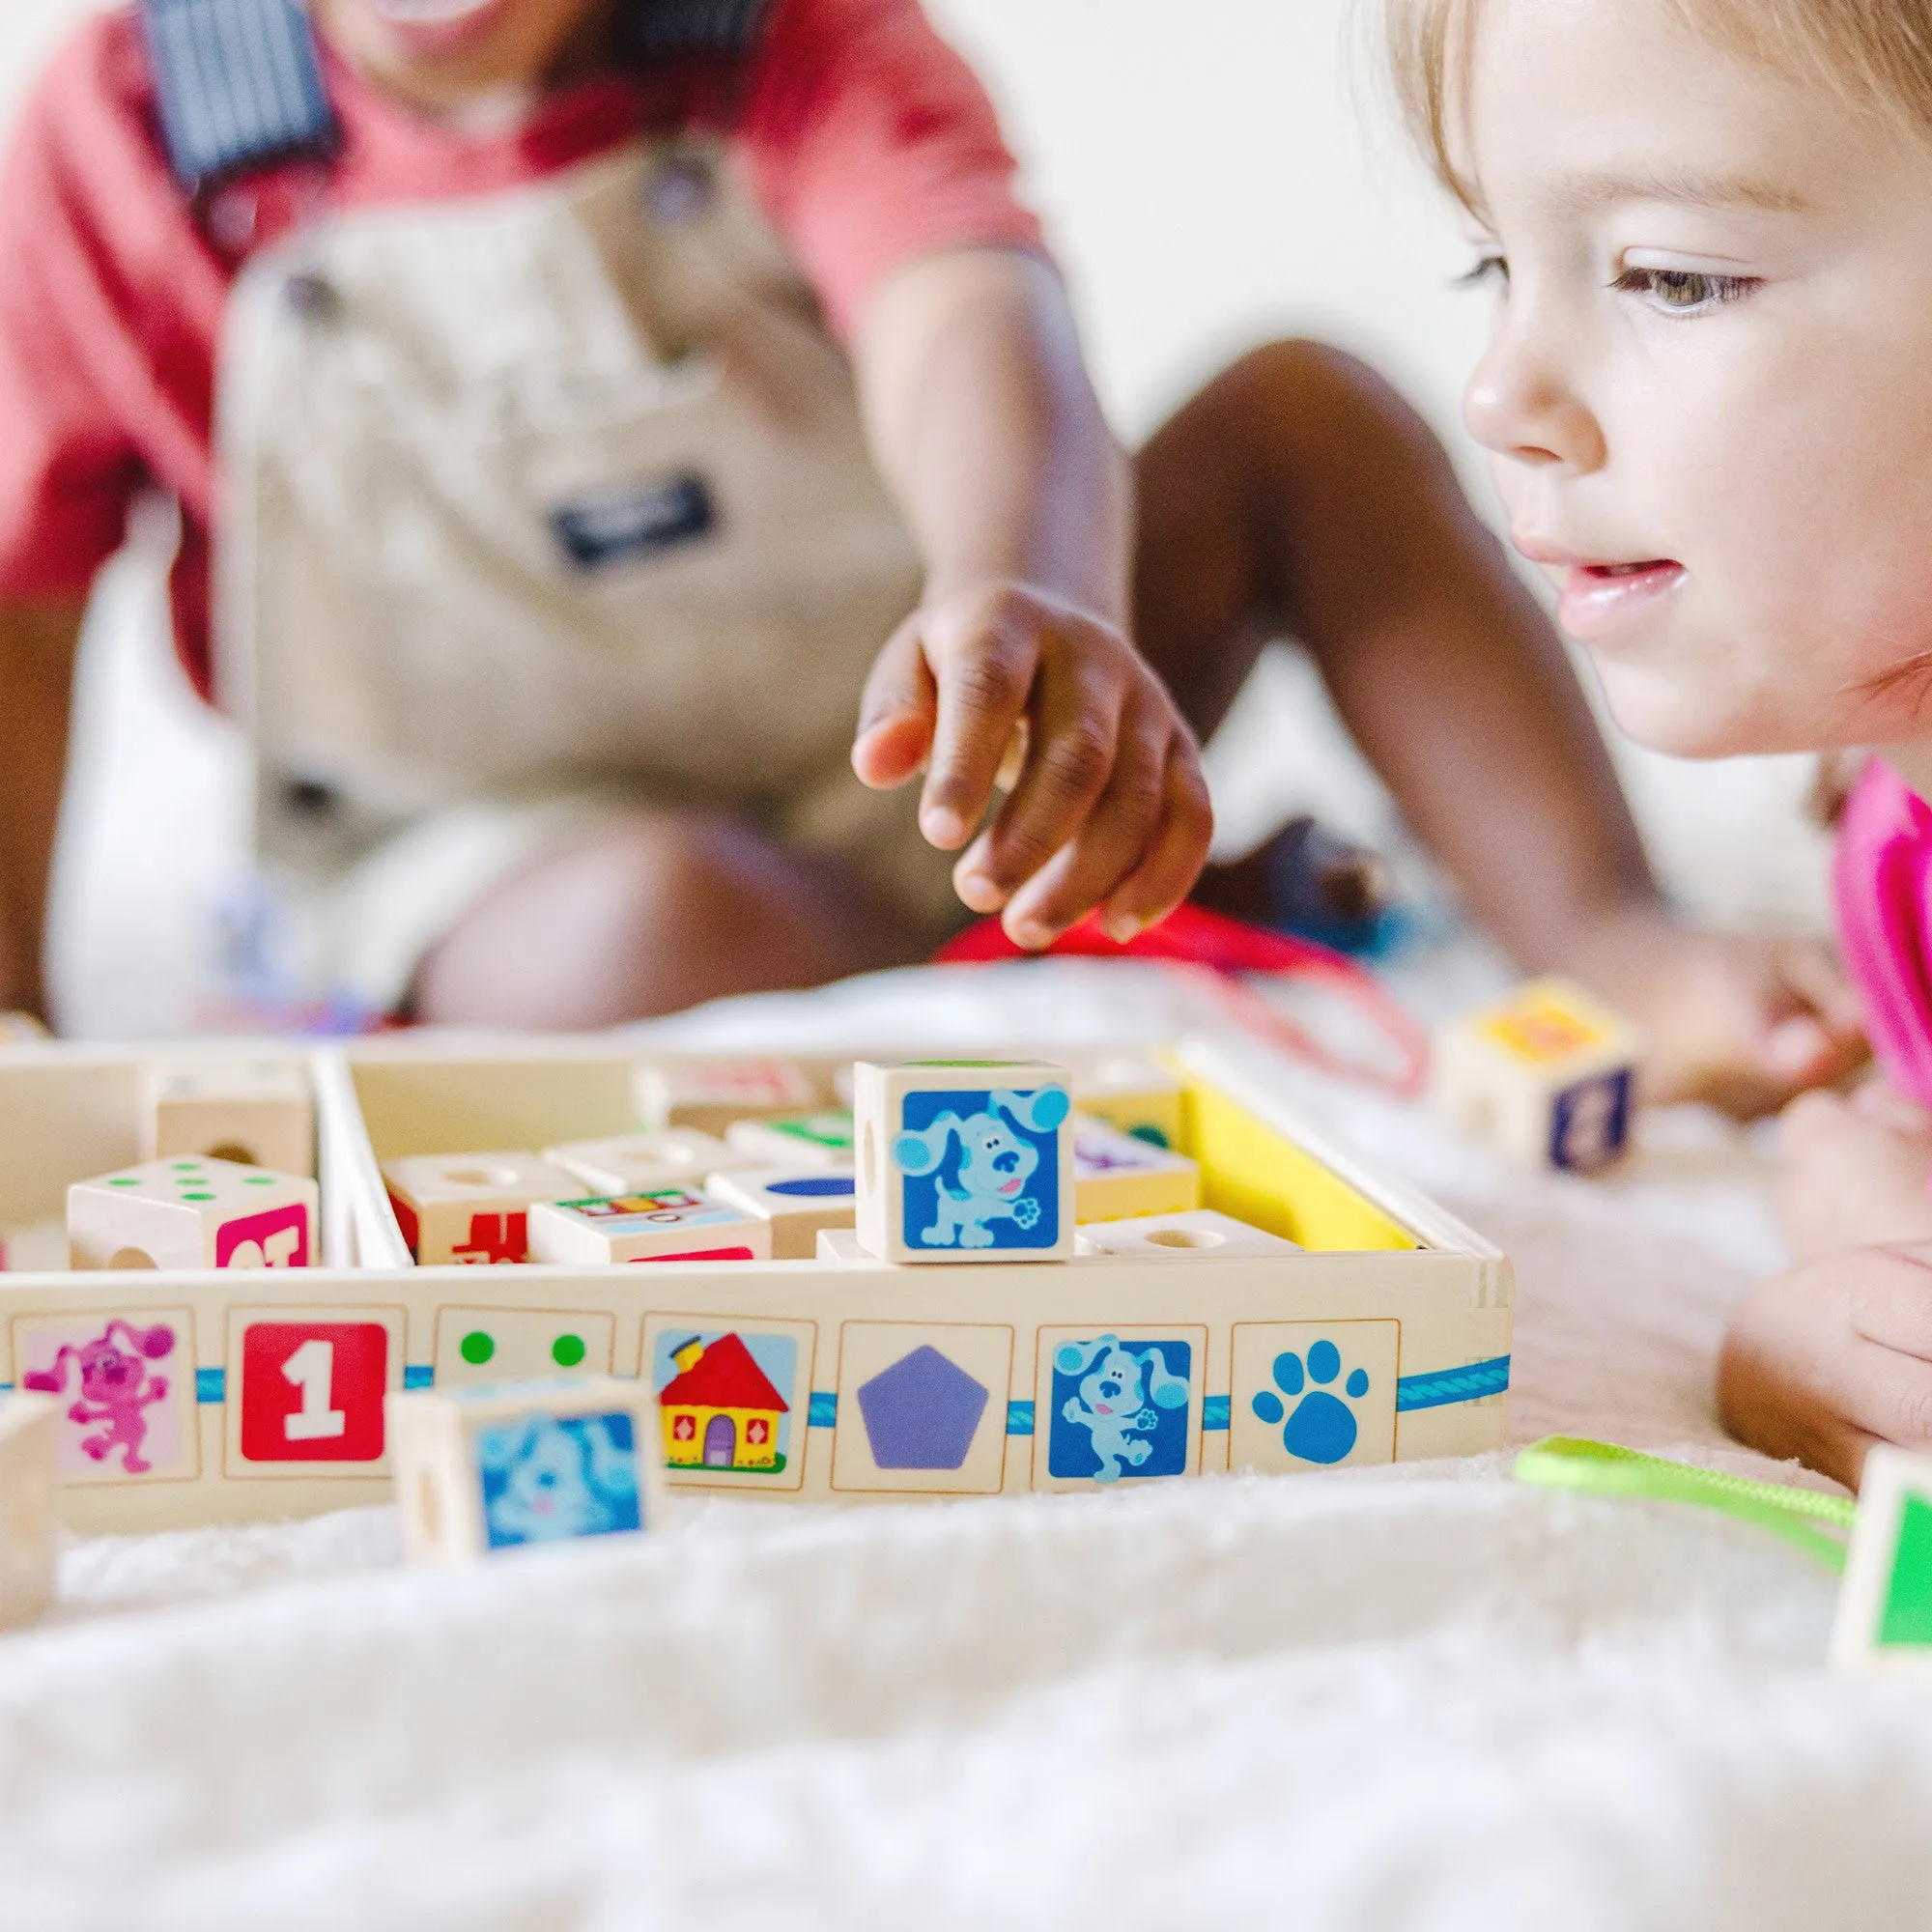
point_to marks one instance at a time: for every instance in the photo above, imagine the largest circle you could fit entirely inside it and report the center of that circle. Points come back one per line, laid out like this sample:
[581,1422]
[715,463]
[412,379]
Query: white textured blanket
[1422,1697]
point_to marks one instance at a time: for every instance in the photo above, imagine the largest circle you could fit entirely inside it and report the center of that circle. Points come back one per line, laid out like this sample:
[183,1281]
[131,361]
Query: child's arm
[38,641]
[1299,496]
[987,430]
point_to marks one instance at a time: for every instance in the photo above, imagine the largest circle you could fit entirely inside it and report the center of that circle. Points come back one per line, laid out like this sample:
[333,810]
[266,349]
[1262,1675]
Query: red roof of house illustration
[724,1377]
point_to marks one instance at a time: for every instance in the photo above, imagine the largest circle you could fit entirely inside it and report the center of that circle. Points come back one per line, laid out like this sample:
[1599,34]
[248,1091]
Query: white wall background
[1213,173]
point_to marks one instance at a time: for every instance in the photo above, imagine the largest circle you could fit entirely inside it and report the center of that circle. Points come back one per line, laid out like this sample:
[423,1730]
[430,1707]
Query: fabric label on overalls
[636,524]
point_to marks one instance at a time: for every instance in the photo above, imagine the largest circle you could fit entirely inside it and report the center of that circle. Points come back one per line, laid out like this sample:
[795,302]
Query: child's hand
[1741,1021]
[1824,1361]
[1855,1171]
[1110,809]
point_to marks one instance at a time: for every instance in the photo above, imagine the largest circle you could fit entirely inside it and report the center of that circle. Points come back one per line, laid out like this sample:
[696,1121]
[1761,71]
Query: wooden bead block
[1548,1077]
[259,1113]
[964,1161]
[471,1207]
[665,1224]
[29,1515]
[1117,1177]
[1884,1624]
[710,1096]
[794,1202]
[633,1162]
[843,1246]
[787,1139]
[193,1213]
[1197,1237]
[1133,1096]
[504,1466]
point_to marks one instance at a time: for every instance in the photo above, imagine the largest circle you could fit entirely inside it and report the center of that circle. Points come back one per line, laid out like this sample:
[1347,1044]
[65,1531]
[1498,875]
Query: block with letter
[664,1224]
[505,1466]
[193,1213]
[1131,1094]
[473,1208]
[787,1140]
[794,1202]
[964,1160]
[631,1161]
[258,1113]
[1200,1236]
[1117,1177]
[711,1095]
[1883,1625]
[1548,1077]
[29,1426]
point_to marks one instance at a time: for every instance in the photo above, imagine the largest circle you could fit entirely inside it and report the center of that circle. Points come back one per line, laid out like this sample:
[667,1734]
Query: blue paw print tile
[1318,1424]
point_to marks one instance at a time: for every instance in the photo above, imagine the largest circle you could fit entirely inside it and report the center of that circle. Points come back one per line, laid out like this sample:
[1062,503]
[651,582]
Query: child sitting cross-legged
[1708,399]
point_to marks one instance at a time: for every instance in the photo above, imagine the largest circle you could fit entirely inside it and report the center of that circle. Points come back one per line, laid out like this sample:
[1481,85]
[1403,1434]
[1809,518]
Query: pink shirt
[866,138]
[1883,882]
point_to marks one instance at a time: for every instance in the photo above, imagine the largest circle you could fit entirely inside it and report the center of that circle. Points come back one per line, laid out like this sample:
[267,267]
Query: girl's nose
[1521,404]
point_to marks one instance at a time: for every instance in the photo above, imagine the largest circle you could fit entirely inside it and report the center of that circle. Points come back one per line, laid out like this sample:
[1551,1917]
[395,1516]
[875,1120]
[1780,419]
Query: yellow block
[1261,1177]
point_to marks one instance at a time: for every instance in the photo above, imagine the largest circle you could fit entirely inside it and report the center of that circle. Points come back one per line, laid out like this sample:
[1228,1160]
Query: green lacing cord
[1603,1469]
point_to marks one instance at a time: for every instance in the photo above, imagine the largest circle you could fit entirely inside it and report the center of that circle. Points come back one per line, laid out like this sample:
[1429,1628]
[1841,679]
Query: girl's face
[440,54]
[1708,389]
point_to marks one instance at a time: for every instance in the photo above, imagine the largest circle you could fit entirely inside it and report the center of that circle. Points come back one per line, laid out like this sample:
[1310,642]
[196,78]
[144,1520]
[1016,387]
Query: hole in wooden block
[132,1258]
[242,1156]
[1187,1237]
[480,1177]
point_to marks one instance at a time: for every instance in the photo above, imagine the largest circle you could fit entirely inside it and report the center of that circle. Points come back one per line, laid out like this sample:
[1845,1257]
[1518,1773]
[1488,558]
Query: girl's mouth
[1596,597]
[435,28]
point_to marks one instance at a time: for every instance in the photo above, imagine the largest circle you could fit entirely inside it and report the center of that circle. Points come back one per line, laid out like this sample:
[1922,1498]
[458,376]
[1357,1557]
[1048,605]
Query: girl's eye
[1683,291]
[1486,269]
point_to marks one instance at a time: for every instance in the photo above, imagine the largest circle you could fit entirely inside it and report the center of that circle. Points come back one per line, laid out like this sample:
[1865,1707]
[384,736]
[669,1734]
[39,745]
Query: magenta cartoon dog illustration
[115,1388]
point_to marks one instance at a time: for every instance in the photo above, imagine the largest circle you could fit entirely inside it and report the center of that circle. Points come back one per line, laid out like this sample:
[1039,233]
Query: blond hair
[1873,54]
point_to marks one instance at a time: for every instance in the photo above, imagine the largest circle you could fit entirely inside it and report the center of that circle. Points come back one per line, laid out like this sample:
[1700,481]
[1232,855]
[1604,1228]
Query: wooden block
[631,1161]
[1118,1177]
[1133,1096]
[473,1208]
[711,1095]
[794,1202]
[665,1224]
[508,1464]
[1200,1236]
[786,1140]
[963,1161]
[193,1213]
[1548,1077]
[38,1248]
[1884,1624]
[258,1113]
[842,1244]
[28,1511]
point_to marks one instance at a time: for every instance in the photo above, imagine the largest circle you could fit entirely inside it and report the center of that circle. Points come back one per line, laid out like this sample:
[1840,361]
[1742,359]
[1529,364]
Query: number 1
[312,1370]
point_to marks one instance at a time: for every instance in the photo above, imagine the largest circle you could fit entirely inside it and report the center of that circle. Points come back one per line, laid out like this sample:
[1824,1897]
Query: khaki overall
[538,506]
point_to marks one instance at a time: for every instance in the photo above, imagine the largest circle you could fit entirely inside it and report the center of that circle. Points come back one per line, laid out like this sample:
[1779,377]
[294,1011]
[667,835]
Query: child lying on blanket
[1708,396]
[623,400]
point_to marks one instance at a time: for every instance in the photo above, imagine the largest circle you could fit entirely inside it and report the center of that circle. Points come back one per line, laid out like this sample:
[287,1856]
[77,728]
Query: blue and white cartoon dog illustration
[1124,1388]
[996,1163]
[547,1479]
